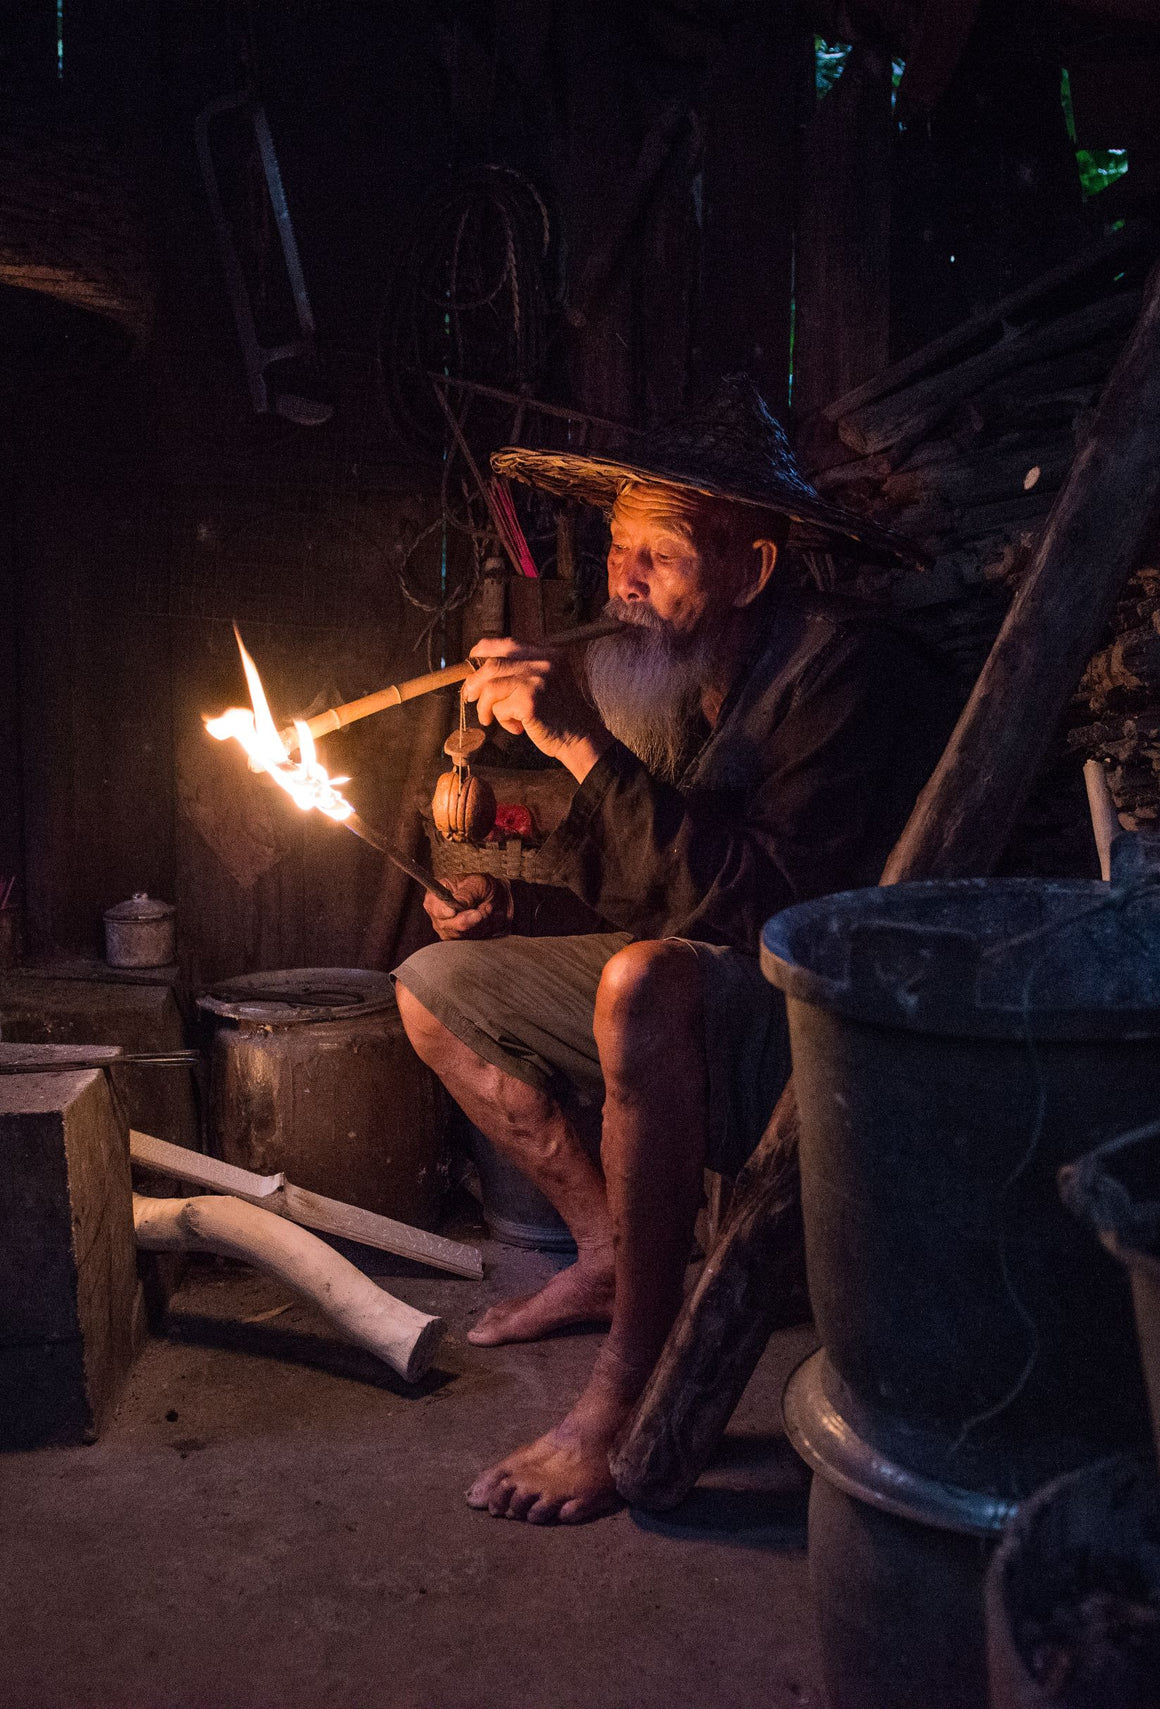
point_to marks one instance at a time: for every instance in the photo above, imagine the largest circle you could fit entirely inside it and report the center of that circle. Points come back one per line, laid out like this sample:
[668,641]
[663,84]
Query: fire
[306,781]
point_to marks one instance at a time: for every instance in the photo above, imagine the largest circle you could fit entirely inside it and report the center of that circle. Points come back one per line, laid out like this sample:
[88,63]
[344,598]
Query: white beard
[647,685]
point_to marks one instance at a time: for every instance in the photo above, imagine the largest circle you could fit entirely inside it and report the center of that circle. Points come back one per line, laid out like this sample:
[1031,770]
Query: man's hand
[485,908]
[530,690]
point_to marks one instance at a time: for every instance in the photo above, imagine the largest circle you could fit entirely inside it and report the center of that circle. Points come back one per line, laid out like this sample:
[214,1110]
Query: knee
[427,1035]
[648,1000]
[517,1105]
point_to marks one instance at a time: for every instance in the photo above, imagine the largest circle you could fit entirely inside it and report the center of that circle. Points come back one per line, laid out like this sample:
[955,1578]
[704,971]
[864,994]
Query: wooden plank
[37,1008]
[275,1193]
[1103,523]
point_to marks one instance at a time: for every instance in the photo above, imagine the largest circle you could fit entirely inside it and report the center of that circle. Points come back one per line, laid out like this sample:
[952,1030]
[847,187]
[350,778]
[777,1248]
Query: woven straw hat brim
[597,480]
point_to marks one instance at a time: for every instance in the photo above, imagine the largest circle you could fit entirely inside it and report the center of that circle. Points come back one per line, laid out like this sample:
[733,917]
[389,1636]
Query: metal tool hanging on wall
[258,357]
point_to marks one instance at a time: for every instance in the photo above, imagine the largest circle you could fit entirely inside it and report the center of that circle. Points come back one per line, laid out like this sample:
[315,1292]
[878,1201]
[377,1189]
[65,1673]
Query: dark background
[708,204]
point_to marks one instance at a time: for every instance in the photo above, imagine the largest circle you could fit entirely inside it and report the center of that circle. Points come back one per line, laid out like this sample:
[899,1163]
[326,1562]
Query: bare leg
[533,1131]
[649,1032]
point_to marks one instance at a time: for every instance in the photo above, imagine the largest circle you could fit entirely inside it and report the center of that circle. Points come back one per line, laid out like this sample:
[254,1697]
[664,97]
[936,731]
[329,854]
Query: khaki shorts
[526,1004]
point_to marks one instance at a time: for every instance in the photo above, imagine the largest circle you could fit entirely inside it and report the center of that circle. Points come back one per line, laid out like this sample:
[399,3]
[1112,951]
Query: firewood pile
[1117,708]
[963,446]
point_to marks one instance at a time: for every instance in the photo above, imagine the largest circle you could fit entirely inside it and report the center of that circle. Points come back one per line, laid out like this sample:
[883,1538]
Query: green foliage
[829,62]
[1098,167]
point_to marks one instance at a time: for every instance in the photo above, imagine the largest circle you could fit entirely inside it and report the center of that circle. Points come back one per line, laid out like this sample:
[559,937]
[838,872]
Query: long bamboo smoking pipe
[339,716]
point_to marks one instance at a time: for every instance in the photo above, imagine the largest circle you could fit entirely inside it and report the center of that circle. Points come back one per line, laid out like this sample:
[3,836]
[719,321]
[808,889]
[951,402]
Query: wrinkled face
[655,557]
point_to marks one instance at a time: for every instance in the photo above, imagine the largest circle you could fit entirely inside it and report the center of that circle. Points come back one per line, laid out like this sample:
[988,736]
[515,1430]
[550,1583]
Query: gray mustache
[637,612]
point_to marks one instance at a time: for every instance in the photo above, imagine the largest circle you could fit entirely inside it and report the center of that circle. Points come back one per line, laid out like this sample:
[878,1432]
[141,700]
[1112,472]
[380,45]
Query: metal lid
[290,996]
[140,907]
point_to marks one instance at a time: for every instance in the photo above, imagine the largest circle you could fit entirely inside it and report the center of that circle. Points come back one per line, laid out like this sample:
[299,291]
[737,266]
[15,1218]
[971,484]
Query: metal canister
[313,1074]
[140,932]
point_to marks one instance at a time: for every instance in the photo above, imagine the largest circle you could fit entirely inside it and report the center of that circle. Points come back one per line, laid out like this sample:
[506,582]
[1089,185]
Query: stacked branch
[963,445]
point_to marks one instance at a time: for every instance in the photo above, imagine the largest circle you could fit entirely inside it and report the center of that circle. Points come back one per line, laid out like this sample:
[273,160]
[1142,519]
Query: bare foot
[562,1478]
[582,1293]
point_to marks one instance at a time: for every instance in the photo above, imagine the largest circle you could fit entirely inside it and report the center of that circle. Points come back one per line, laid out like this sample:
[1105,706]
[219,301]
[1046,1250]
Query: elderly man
[740,746]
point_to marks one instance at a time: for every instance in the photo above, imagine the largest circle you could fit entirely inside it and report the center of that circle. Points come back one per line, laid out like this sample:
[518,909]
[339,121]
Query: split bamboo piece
[275,1193]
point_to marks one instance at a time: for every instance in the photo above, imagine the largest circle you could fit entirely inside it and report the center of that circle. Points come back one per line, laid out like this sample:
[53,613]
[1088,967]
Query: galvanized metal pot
[313,1074]
[140,933]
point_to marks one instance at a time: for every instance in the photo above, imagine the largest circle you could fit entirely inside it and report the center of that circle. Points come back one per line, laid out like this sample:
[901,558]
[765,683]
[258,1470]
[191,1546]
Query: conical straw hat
[731,447]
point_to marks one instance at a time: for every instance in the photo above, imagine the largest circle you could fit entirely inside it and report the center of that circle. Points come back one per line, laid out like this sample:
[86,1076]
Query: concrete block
[69,1316]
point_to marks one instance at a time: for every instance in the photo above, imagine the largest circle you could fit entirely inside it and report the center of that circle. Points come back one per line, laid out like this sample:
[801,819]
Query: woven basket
[510,859]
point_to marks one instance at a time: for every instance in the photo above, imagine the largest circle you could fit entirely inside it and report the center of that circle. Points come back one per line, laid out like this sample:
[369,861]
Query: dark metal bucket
[953,1046]
[1116,1190]
[1073,1594]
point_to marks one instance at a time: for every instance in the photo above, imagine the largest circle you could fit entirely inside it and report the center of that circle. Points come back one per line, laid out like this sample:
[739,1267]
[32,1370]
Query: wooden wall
[696,186]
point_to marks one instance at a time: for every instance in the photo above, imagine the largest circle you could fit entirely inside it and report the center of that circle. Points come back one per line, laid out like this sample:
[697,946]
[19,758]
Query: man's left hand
[530,690]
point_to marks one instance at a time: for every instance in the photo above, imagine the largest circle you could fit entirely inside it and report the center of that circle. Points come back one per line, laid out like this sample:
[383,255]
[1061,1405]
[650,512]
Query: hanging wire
[467,299]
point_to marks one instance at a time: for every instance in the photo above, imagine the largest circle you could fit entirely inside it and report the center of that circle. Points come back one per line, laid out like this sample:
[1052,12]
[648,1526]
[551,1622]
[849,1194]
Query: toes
[522,1502]
[500,1499]
[484,1489]
[543,1511]
[582,1508]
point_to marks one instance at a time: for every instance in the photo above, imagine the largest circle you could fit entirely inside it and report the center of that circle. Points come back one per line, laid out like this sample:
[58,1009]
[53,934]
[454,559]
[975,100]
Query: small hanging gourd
[463,805]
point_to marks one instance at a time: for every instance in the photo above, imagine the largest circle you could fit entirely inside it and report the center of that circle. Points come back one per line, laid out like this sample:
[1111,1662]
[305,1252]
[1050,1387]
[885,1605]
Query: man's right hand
[485,908]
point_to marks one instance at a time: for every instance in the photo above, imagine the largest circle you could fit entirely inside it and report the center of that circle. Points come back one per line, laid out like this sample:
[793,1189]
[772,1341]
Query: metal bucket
[517,1214]
[313,1074]
[1116,1190]
[1073,1594]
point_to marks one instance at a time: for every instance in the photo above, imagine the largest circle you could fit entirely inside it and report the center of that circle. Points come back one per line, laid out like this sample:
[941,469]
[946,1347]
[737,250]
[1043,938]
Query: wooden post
[1103,522]
[843,254]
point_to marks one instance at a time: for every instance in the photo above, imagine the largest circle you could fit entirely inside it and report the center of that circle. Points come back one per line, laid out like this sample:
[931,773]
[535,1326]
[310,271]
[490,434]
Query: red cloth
[513,819]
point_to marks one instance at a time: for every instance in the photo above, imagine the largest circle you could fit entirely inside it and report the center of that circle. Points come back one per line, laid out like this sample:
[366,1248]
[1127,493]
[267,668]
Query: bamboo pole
[338,717]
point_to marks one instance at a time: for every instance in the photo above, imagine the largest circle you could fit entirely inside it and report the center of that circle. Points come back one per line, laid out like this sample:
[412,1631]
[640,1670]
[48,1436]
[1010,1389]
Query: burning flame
[306,781]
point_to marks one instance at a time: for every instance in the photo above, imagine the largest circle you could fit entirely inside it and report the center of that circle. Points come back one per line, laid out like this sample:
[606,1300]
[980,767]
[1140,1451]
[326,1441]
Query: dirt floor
[273,1520]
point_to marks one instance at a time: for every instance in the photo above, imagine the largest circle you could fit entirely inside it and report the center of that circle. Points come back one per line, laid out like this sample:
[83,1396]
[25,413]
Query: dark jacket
[834,723]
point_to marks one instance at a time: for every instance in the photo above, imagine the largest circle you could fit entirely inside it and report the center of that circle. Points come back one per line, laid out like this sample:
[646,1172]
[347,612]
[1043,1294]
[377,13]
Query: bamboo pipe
[338,717]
